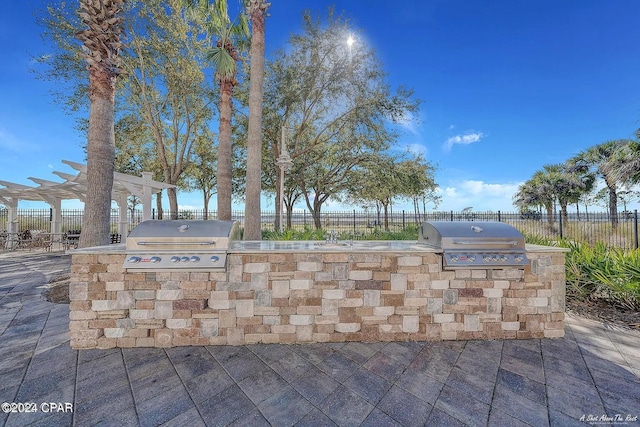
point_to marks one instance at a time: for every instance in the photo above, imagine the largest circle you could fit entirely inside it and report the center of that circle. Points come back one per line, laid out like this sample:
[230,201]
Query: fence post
[354,221]
[153,213]
[451,215]
[635,228]
[403,221]
[560,224]
[499,218]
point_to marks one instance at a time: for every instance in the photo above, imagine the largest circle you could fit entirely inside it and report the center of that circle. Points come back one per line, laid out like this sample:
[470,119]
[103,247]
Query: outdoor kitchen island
[303,292]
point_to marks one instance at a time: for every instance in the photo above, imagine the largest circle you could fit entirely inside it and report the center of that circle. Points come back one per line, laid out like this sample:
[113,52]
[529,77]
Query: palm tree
[224,57]
[101,49]
[624,166]
[537,191]
[256,9]
[601,160]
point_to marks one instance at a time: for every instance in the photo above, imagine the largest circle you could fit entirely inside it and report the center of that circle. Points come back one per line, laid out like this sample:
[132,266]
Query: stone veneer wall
[313,297]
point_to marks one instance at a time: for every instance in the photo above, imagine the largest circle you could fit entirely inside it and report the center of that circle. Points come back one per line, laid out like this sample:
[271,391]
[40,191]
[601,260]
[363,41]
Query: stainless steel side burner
[474,244]
[167,245]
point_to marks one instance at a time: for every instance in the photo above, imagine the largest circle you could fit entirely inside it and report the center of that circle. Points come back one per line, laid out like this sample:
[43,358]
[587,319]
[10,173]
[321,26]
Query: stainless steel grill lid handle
[160,243]
[487,242]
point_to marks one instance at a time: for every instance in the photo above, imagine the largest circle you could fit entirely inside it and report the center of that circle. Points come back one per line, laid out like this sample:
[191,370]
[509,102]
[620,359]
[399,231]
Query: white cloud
[466,139]
[479,195]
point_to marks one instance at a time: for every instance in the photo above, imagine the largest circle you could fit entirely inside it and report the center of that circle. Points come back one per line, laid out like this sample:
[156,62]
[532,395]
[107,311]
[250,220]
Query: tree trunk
[549,215]
[613,206]
[100,161]
[252,217]
[172,194]
[224,151]
[160,213]
[386,217]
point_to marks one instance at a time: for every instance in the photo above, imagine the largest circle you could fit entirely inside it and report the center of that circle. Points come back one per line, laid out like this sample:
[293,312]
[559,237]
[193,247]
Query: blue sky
[507,86]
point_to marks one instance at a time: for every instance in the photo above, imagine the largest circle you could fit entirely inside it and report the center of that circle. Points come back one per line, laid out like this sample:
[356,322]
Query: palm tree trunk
[252,226]
[224,151]
[100,164]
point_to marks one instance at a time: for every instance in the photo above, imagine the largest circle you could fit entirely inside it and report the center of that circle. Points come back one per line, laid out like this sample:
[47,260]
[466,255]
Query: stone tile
[286,407]
[291,366]
[463,407]
[478,386]
[190,417]
[385,366]
[239,362]
[377,418]
[404,407]
[338,367]
[41,365]
[359,352]
[573,405]
[345,407]
[270,352]
[559,419]
[315,418]
[618,402]
[225,407]
[262,385]
[142,362]
[572,385]
[314,353]
[164,407]
[191,362]
[156,384]
[315,385]
[522,386]
[531,412]
[115,406]
[202,387]
[440,418]
[420,385]
[498,418]
[526,368]
[368,385]
[435,364]
[572,367]
[402,353]
[36,388]
[253,419]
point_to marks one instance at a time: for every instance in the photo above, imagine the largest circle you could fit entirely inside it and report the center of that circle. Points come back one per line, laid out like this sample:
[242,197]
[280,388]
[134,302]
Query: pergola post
[146,195]
[56,219]
[123,222]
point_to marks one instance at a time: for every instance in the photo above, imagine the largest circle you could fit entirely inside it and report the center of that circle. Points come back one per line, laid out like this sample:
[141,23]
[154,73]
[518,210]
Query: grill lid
[467,244]
[178,234]
[180,245]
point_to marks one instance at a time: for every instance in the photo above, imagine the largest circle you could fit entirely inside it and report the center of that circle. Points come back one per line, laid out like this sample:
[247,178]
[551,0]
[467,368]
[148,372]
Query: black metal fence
[621,231]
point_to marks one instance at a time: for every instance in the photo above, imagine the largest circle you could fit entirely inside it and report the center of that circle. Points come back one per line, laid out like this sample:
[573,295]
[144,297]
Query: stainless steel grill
[180,245]
[472,244]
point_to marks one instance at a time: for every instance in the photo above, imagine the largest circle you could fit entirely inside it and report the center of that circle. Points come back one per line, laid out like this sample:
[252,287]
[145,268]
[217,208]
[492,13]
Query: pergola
[75,187]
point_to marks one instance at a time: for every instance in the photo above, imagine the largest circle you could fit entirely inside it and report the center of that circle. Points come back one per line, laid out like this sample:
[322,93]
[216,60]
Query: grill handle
[487,242]
[159,243]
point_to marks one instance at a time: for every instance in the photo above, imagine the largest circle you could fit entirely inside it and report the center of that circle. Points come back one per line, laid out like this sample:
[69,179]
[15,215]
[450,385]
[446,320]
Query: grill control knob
[135,259]
[155,259]
[518,258]
[175,259]
[454,258]
[486,257]
[194,259]
[503,258]
[184,259]
[215,258]
[471,258]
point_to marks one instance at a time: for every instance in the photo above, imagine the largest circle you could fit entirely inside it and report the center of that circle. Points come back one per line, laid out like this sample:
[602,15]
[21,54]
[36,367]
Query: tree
[202,169]
[553,183]
[601,160]
[166,86]
[256,9]
[101,41]
[334,101]
[224,58]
